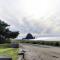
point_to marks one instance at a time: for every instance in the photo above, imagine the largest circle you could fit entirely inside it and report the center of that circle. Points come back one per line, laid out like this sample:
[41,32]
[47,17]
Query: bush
[51,43]
[57,44]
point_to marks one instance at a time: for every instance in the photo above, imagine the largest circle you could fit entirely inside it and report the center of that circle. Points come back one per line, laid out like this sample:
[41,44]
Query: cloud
[15,13]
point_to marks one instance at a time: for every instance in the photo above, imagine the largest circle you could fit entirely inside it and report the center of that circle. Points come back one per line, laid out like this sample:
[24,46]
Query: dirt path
[40,52]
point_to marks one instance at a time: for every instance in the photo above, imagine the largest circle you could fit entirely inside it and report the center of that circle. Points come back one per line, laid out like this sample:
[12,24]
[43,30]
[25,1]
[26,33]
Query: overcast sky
[35,16]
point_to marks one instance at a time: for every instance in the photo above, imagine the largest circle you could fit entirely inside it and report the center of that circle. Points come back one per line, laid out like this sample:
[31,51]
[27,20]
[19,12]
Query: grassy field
[12,52]
[6,50]
[6,45]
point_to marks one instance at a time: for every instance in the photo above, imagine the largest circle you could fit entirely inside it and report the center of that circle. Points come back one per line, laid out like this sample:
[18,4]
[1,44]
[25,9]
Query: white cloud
[36,16]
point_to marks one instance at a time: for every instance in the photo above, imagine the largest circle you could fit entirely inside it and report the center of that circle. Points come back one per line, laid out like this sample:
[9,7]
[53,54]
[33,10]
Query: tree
[5,33]
[12,34]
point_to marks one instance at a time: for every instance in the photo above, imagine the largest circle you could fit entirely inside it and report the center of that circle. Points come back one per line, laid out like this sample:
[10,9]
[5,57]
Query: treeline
[50,43]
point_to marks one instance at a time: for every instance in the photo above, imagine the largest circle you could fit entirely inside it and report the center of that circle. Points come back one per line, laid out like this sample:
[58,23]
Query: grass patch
[12,52]
[4,45]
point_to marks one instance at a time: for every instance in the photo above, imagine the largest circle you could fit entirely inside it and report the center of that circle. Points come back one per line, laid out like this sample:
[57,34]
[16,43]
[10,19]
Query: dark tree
[29,36]
[5,33]
[12,35]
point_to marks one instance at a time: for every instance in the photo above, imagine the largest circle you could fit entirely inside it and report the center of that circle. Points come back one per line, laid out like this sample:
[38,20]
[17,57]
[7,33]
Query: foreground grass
[12,52]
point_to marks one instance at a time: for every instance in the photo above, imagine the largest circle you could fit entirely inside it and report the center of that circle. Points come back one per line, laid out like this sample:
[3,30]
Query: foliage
[5,33]
[50,43]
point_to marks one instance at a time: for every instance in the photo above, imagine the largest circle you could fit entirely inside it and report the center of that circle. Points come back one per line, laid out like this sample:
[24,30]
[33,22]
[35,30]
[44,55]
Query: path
[40,52]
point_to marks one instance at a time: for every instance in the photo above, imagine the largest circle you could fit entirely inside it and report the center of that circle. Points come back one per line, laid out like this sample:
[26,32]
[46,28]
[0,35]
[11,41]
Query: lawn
[6,50]
[12,52]
[6,45]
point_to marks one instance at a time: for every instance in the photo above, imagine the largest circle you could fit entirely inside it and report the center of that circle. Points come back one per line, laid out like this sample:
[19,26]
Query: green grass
[4,45]
[12,52]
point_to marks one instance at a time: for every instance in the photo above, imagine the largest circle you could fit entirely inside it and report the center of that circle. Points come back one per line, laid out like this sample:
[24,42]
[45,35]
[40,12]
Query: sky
[41,17]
